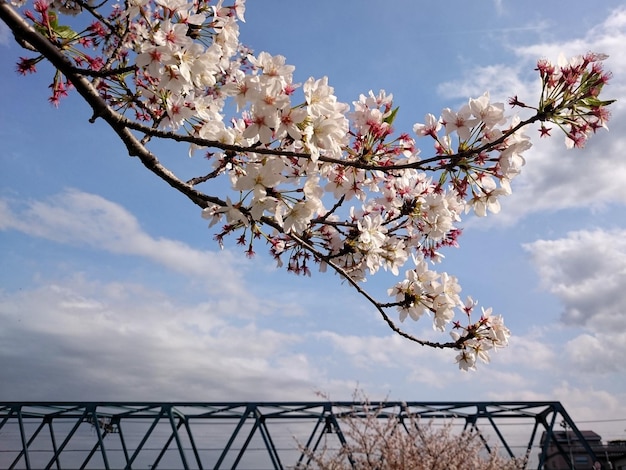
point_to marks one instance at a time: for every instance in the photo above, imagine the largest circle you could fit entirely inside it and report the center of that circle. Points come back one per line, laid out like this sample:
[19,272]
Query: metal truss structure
[116,435]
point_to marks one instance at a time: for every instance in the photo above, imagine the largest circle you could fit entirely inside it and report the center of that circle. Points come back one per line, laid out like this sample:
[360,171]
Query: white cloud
[367,351]
[555,179]
[590,404]
[386,356]
[590,407]
[586,270]
[83,340]
[535,367]
[82,219]
[583,403]
[598,354]
[500,80]
[606,37]
[532,351]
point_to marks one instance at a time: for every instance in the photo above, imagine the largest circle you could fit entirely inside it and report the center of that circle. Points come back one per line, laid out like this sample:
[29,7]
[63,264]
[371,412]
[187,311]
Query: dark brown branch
[419,165]
[103,73]
[93,10]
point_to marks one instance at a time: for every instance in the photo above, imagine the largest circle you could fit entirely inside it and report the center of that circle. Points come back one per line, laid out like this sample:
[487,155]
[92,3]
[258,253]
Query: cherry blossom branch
[285,162]
[454,158]
[120,125]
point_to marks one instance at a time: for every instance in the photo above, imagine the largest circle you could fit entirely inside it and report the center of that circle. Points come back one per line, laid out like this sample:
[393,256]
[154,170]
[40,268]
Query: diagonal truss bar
[56,458]
[303,454]
[470,421]
[145,439]
[194,447]
[550,437]
[23,438]
[24,451]
[269,443]
[246,443]
[242,420]
[53,440]
[117,422]
[179,444]
[99,443]
[500,436]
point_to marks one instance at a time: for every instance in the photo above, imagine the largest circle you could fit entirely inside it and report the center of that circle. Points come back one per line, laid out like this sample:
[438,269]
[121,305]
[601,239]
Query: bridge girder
[219,435]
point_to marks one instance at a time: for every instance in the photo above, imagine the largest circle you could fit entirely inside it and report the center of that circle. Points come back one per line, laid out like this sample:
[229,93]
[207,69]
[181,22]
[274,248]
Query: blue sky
[112,288]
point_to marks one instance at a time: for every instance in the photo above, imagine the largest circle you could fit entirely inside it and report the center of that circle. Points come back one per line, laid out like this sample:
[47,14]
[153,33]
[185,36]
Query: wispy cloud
[87,220]
[499,6]
[500,80]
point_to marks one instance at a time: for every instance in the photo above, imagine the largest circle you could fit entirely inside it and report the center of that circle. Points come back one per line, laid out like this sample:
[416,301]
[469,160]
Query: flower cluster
[570,97]
[488,333]
[320,181]
[184,53]
[423,291]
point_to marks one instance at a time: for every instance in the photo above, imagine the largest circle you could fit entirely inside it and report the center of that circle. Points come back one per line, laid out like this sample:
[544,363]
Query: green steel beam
[118,430]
